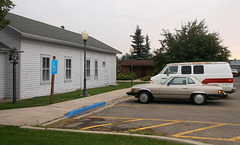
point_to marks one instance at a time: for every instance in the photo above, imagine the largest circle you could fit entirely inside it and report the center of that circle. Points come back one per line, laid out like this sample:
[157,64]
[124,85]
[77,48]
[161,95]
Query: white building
[40,42]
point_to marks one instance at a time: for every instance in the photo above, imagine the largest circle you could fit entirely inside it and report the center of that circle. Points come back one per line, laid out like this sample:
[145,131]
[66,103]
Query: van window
[186,70]
[198,69]
[171,70]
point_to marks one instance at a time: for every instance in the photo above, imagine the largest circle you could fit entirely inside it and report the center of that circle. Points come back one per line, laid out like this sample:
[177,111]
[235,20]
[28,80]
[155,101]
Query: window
[45,68]
[88,68]
[198,69]
[103,64]
[171,70]
[178,81]
[190,81]
[96,68]
[186,70]
[68,68]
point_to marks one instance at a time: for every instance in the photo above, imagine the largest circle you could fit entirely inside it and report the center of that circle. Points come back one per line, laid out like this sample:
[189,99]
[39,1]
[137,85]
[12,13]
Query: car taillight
[151,81]
[133,90]
[220,91]
[230,80]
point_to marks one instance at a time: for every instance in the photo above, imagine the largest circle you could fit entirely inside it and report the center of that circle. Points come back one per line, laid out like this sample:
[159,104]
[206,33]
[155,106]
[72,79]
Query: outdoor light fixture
[85,37]
[132,50]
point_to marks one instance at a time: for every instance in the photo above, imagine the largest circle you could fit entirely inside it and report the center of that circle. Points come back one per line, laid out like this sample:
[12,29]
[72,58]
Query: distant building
[40,42]
[141,68]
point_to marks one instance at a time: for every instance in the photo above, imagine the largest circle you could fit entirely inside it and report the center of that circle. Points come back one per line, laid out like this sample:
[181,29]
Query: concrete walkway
[43,114]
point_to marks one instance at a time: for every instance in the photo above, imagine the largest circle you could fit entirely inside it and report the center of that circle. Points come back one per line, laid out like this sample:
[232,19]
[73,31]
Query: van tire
[199,99]
[145,97]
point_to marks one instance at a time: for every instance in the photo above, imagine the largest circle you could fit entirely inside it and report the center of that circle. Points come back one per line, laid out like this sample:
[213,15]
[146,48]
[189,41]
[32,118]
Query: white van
[206,72]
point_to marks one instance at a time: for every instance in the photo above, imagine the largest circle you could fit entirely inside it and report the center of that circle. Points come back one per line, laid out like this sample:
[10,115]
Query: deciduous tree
[5,6]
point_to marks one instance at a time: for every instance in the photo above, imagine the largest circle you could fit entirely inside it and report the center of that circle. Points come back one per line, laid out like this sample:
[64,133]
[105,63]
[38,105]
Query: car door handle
[164,78]
[184,88]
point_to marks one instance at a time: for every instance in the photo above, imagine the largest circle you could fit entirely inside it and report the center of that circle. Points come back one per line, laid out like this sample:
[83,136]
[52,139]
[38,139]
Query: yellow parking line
[196,130]
[160,106]
[181,135]
[85,128]
[237,138]
[154,126]
[126,118]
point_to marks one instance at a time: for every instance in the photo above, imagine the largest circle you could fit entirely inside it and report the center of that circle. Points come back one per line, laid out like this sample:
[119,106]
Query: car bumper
[232,91]
[218,96]
[131,93]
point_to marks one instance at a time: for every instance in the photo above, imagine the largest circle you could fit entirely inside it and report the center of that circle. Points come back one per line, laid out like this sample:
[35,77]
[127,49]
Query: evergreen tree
[146,51]
[138,40]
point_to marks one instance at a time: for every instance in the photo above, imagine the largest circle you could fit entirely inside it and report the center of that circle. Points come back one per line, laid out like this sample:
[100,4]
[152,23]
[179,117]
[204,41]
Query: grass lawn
[11,135]
[45,100]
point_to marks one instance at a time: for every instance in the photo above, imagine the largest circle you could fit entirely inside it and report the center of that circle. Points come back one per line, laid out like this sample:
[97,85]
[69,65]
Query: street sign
[54,66]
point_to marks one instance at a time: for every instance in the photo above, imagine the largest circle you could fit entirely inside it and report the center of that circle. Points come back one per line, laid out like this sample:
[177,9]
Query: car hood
[145,85]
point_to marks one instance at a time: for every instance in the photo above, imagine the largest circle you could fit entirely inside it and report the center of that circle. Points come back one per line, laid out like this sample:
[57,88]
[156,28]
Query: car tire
[199,99]
[145,97]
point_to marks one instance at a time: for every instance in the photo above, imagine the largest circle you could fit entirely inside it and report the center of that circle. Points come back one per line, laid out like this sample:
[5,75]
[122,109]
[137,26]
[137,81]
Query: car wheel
[145,97]
[199,99]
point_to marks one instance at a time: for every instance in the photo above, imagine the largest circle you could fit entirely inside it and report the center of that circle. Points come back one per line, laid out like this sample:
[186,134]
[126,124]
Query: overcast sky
[113,21]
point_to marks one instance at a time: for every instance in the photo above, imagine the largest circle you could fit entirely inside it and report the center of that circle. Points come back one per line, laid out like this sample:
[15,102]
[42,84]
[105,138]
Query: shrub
[147,78]
[126,76]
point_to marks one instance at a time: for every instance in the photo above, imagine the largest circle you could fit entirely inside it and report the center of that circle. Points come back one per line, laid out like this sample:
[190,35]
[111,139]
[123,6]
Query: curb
[85,109]
[123,134]
[81,115]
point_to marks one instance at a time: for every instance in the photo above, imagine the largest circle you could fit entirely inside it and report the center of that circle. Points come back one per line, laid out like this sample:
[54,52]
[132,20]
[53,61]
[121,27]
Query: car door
[175,88]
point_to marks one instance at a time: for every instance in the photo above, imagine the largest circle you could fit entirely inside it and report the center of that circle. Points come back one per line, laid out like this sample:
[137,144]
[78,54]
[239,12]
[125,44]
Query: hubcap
[199,99]
[143,97]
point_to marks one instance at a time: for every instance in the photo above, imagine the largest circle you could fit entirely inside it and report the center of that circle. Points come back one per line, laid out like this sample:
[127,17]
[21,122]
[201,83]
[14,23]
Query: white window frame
[96,64]
[103,64]
[46,81]
[88,68]
[67,67]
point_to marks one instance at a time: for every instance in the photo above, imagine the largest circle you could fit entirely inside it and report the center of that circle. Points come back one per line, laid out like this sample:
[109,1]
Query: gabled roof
[38,30]
[137,63]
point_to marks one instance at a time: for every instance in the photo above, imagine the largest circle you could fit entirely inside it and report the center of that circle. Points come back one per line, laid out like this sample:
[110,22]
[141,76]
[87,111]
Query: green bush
[126,76]
[147,78]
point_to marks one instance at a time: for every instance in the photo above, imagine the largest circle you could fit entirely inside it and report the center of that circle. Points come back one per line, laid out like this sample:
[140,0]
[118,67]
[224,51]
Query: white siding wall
[3,78]
[11,39]
[31,68]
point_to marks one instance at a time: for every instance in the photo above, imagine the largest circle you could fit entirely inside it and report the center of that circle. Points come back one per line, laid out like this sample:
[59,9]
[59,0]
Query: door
[143,72]
[175,88]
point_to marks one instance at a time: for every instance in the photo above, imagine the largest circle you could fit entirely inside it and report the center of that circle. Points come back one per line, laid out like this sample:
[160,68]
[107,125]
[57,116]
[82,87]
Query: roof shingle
[33,27]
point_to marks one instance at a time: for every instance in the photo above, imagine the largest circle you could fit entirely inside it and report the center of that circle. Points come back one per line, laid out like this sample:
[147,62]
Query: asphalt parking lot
[217,122]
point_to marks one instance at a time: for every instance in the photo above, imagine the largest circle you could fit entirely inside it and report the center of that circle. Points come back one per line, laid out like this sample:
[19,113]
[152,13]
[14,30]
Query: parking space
[217,122]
